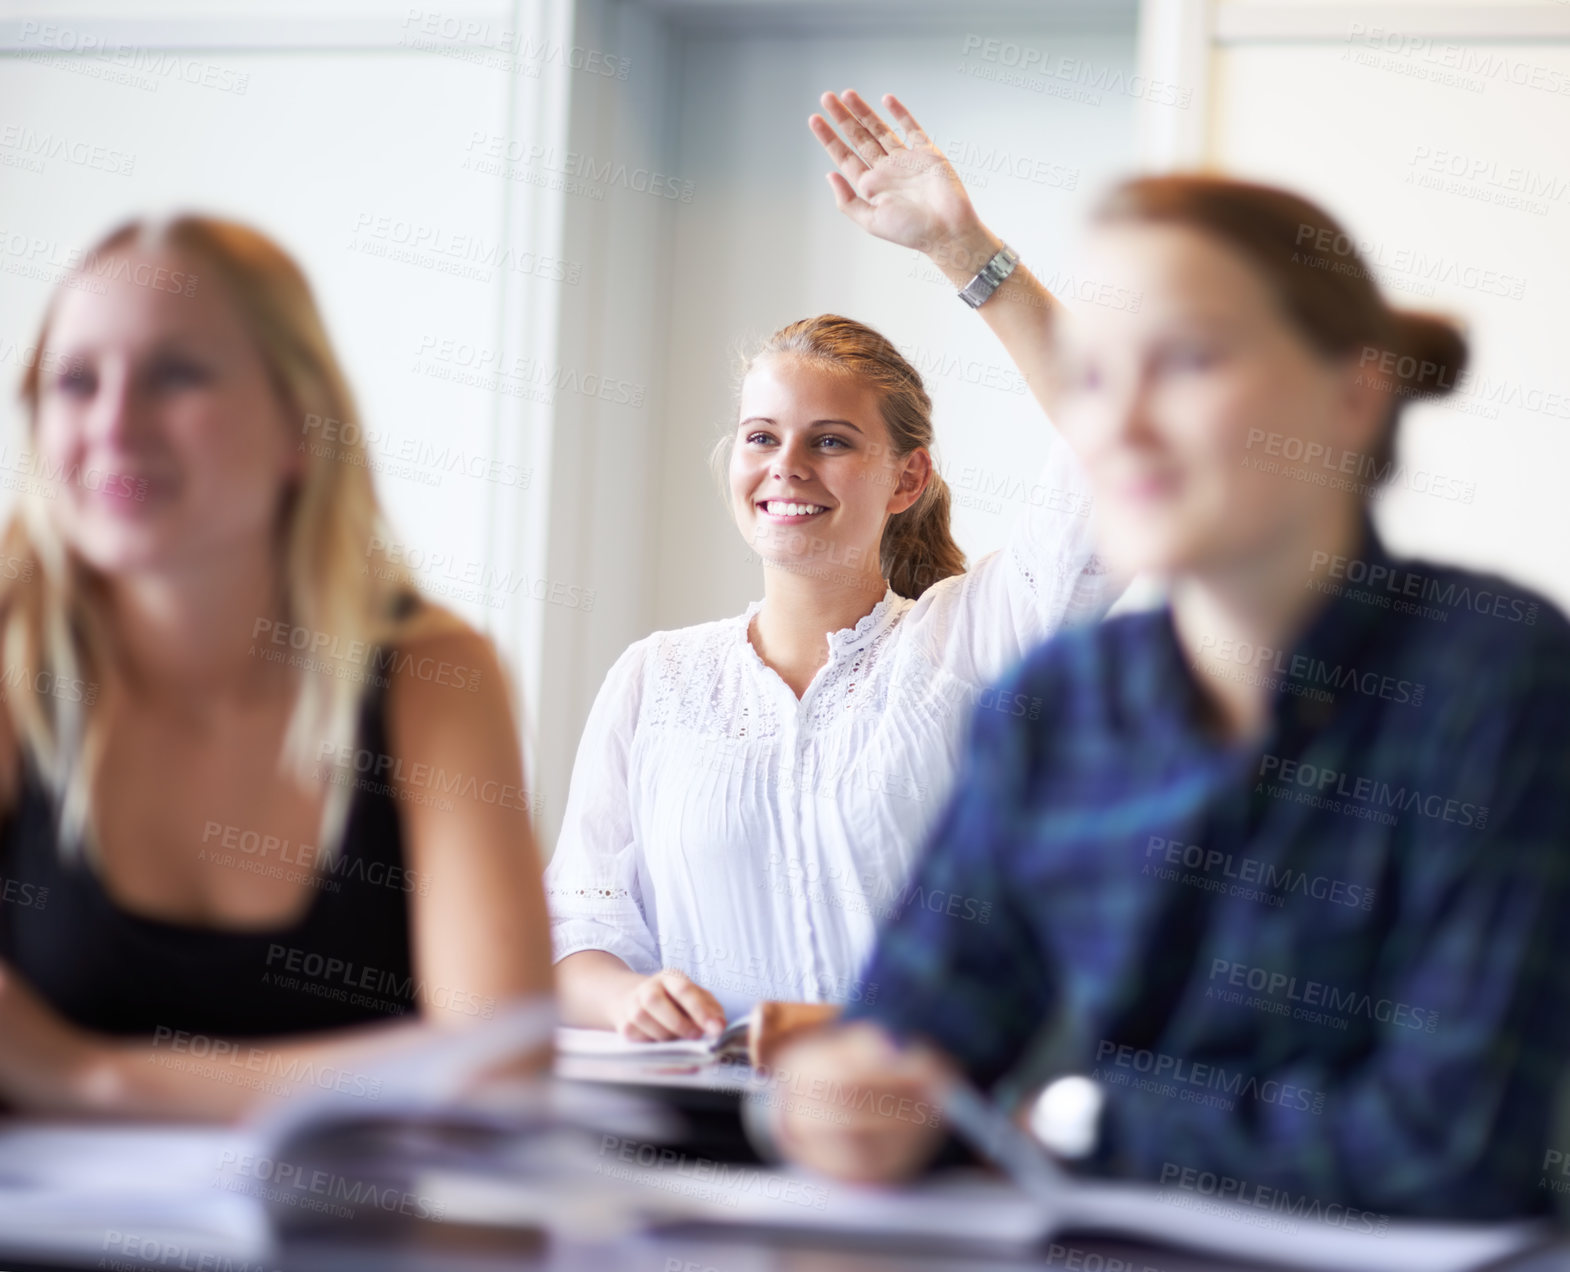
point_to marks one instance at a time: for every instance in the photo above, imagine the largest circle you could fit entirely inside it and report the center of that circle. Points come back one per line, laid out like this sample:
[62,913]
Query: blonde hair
[336,576]
[918,548]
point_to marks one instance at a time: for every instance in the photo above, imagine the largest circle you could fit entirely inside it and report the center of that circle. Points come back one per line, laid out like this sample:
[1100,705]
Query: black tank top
[345,962]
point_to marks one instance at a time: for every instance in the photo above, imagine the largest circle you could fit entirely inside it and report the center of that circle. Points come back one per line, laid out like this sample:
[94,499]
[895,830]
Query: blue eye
[839,442]
[758,439]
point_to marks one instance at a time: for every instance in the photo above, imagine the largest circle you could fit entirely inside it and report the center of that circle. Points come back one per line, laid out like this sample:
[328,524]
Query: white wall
[603,449]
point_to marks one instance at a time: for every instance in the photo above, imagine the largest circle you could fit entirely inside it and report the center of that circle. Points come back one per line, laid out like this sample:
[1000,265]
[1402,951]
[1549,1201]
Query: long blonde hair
[337,579]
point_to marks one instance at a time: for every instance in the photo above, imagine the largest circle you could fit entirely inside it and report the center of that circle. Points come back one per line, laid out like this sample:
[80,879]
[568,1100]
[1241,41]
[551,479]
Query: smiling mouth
[117,488]
[1156,486]
[790,508]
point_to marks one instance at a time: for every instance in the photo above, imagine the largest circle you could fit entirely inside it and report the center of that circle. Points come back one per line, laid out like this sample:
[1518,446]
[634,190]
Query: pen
[988,1130]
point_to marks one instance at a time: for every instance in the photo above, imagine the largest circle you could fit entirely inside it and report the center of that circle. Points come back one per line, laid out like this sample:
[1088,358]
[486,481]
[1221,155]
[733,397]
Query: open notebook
[1032,1206]
[178,1195]
[756,1038]
[563,1159]
[962,1213]
[605,1044]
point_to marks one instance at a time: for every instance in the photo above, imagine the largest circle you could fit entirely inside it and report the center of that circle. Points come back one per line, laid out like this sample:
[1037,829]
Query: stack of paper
[173,1195]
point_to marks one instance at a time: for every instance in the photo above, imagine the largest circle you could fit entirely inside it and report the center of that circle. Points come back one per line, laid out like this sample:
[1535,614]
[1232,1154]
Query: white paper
[608,1044]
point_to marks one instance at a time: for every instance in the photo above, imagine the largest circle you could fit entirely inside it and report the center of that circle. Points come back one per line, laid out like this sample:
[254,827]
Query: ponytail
[917,548]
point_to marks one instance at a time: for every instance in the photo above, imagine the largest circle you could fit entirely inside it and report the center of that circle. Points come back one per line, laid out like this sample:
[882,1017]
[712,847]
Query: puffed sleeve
[959,964]
[1045,577]
[591,884]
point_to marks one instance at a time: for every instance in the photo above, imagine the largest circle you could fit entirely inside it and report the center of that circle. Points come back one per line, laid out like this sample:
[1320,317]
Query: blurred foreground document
[185,1196]
[438,1152]
[967,1212]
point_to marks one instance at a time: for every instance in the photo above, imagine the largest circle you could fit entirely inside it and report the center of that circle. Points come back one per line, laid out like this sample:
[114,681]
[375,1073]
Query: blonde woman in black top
[251,785]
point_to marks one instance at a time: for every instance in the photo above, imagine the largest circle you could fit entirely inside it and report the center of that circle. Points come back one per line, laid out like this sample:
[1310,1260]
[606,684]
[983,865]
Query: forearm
[1022,312]
[194,1077]
[589,984]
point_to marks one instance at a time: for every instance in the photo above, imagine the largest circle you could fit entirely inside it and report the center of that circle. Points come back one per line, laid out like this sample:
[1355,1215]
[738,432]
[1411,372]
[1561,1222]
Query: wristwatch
[990,278]
[1066,1116]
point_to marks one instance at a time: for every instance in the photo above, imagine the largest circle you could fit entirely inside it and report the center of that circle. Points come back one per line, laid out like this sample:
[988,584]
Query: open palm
[902,191]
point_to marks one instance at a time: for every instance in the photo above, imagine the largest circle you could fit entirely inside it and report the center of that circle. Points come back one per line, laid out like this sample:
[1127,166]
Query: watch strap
[990,277]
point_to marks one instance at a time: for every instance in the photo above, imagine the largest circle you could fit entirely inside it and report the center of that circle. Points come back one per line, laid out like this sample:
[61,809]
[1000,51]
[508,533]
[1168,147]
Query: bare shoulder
[447,686]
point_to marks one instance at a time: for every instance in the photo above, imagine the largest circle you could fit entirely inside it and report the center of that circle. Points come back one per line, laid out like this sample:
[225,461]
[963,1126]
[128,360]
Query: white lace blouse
[718,825]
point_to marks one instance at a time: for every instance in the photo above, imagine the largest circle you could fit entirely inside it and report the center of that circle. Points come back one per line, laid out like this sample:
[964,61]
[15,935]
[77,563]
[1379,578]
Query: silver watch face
[976,291]
[1002,265]
[1065,1116]
[989,278]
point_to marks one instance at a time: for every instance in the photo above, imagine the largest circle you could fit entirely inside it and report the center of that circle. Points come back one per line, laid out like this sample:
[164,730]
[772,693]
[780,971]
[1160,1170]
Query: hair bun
[1425,355]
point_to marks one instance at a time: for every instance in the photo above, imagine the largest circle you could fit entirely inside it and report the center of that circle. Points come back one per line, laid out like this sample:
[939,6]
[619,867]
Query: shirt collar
[1333,640]
[1339,633]
[868,626]
[847,639]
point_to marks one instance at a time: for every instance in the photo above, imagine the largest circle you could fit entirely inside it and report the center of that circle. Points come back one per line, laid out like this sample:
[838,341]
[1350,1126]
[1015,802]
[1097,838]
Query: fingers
[847,200]
[882,1121]
[667,1005]
[868,147]
[871,121]
[861,1058]
[697,1003]
[915,134]
[633,1032]
[872,1154]
[845,159]
[653,1016]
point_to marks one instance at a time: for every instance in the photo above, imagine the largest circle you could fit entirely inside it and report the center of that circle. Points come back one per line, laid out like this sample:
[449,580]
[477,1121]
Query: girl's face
[159,434]
[812,477]
[1185,408]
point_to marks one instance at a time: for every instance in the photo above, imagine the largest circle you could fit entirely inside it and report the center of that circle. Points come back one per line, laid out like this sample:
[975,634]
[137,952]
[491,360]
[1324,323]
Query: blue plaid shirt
[1332,964]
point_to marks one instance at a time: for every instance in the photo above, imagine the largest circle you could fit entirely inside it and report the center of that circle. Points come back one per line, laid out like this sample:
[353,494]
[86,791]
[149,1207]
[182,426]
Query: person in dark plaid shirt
[1282,865]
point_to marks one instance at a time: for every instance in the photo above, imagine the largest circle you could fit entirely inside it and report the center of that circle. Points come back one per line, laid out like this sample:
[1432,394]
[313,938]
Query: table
[386,1243]
[480,1252]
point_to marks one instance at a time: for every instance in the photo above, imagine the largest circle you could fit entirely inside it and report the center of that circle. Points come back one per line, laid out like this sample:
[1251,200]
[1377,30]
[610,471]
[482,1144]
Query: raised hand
[908,193]
[903,191]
